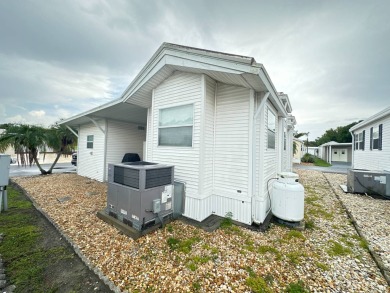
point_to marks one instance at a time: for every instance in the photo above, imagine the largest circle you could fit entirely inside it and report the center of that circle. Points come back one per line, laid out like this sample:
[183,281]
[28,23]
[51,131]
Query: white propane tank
[288,197]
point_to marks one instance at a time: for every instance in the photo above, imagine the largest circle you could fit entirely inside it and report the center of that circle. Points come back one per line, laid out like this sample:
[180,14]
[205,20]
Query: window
[359,141]
[376,137]
[285,139]
[89,141]
[271,125]
[175,126]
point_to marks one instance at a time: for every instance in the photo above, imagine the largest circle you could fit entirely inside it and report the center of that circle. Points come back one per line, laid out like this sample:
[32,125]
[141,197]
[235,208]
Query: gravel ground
[327,257]
[371,214]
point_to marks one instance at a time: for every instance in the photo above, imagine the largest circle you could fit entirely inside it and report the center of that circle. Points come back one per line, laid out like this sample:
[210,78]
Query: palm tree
[30,138]
[60,139]
[298,135]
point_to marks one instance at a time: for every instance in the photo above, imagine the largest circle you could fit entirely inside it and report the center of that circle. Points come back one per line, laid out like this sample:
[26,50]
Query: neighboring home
[336,152]
[216,117]
[371,141]
[300,150]
[313,151]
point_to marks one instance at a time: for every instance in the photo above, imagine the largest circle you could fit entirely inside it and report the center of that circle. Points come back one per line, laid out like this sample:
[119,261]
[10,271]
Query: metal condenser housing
[140,193]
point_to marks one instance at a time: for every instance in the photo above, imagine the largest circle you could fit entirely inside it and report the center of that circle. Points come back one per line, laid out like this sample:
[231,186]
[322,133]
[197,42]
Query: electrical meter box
[5,161]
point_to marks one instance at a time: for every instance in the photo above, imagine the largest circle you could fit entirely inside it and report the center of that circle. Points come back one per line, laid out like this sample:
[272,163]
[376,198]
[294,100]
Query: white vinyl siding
[374,159]
[232,141]
[270,155]
[179,89]
[90,162]
[123,138]
[208,132]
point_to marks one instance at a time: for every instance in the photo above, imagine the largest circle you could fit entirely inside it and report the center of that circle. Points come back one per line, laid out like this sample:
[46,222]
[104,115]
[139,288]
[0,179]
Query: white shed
[336,152]
[371,142]
[215,116]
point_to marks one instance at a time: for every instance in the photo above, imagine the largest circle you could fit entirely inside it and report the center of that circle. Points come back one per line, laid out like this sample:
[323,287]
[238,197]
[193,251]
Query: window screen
[175,126]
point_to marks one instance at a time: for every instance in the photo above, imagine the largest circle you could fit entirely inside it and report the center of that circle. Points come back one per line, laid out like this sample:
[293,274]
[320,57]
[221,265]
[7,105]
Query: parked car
[74,159]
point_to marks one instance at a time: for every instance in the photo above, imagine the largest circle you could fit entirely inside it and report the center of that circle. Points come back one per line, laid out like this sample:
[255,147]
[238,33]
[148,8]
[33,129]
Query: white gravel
[371,214]
[325,258]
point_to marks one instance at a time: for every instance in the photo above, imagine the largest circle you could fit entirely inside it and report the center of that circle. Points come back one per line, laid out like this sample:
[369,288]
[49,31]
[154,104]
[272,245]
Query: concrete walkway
[337,167]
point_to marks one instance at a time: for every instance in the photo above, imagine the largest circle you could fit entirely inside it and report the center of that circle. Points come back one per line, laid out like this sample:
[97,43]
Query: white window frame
[269,131]
[90,141]
[375,137]
[359,141]
[176,126]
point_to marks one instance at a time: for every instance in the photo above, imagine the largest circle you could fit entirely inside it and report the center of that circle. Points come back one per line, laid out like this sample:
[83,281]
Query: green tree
[341,134]
[29,139]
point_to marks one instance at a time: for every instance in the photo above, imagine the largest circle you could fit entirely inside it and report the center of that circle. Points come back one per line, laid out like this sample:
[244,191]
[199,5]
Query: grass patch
[363,243]
[337,249]
[263,249]
[319,212]
[298,287]
[258,284]
[184,246]
[249,244]
[295,257]
[195,261]
[309,224]
[169,228]
[23,255]
[227,221]
[310,199]
[196,286]
[346,241]
[322,266]
[294,234]
[321,163]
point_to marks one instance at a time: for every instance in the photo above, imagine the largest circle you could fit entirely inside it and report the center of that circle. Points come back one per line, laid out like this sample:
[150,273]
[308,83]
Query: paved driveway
[337,167]
[16,170]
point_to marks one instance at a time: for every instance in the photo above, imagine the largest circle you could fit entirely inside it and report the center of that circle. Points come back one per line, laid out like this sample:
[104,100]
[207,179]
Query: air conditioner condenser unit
[140,193]
[368,181]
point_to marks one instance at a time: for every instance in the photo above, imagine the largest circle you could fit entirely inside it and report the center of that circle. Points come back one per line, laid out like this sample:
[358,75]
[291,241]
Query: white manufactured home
[216,117]
[371,142]
[299,150]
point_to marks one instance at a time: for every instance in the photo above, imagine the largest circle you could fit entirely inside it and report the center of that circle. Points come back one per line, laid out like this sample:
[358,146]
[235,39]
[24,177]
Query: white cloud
[324,57]
[38,114]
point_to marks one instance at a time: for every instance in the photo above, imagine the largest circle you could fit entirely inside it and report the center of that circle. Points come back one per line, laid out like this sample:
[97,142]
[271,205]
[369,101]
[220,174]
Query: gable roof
[335,143]
[373,118]
[223,67]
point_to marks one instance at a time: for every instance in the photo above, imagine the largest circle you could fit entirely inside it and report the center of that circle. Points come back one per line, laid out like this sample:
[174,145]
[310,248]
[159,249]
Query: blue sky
[60,58]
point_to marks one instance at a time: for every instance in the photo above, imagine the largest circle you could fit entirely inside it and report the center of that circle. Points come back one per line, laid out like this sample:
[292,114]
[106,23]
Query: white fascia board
[371,119]
[227,56]
[274,95]
[175,56]
[86,113]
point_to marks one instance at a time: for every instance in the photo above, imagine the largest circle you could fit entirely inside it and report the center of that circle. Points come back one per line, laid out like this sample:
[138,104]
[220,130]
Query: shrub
[307,158]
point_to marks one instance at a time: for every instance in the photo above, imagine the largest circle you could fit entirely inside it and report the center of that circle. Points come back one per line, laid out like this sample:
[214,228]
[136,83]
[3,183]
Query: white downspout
[353,149]
[258,111]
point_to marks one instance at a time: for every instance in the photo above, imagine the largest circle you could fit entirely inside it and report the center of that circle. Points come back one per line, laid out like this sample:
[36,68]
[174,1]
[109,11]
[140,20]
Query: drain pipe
[353,148]
[258,111]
